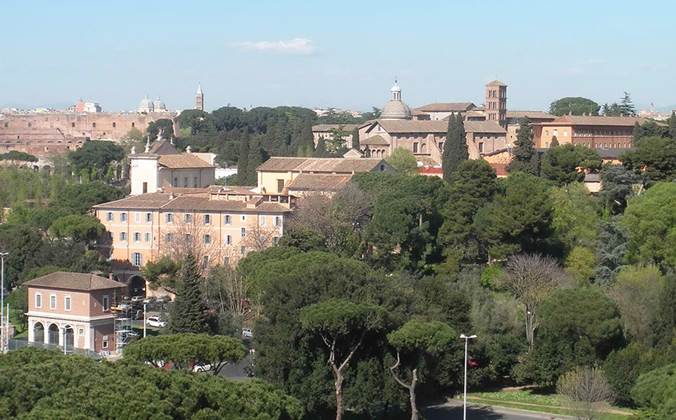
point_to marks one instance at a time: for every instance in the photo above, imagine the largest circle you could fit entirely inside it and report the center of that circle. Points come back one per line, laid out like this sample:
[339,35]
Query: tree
[188,313]
[306,144]
[611,250]
[672,125]
[243,159]
[321,150]
[578,327]
[15,155]
[655,391]
[654,158]
[518,220]
[617,185]
[77,227]
[256,157]
[569,163]
[455,147]
[530,279]
[554,142]
[650,222]
[581,265]
[342,326]
[95,157]
[586,388]
[627,108]
[471,186]
[161,272]
[403,161]
[648,129]
[228,293]
[418,344]
[355,138]
[574,106]
[525,158]
[636,292]
[80,198]
[575,220]
[165,125]
[186,350]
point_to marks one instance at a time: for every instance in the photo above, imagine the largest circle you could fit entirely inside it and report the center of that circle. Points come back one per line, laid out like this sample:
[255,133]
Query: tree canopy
[569,163]
[455,146]
[525,157]
[403,161]
[574,106]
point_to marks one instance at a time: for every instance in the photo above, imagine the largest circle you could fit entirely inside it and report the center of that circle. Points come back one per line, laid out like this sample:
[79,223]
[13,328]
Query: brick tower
[496,102]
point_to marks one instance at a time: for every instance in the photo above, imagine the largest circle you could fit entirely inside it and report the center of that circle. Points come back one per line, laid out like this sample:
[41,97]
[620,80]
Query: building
[496,102]
[424,137]
[161,166]
[219,225]
[329,131]
[515,117]
[595,132]
[73,309]
[299,176]
[199,98]
[441,111]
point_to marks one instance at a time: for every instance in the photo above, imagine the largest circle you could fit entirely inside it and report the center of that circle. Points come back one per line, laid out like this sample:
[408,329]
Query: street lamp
[2,301]
[464,398]
[145,305]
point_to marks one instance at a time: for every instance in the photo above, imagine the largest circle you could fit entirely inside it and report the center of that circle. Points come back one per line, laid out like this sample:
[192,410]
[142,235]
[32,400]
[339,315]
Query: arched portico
[53,334]
[38,332]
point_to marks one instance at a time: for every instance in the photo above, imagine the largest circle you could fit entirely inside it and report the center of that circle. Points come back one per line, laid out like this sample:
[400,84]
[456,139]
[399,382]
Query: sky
[341,53]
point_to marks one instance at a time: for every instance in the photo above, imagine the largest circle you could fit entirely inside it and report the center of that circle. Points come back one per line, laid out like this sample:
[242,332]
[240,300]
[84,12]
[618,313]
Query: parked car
[136,299]
[247,333]
[155,321]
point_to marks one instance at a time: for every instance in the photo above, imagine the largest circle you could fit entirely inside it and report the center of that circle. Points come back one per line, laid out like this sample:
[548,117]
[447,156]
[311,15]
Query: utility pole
[464,397]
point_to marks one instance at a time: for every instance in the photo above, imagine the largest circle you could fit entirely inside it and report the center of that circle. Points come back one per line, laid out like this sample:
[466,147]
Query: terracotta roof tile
[319,182]
[74,281]
[183,160]
[596,120]
[326,165]
[329,127]
[446,107]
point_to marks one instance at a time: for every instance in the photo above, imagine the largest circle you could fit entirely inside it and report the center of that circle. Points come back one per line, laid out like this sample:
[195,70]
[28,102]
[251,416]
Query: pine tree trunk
[339,395]
[411,393]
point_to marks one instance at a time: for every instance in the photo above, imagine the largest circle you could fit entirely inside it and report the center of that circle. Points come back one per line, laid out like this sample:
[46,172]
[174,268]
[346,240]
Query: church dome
[146,105]
[395,108]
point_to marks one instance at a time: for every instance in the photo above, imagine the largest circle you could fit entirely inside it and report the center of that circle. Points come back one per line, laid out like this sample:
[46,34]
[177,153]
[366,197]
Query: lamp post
[464,397]
[2,301]
[145,305]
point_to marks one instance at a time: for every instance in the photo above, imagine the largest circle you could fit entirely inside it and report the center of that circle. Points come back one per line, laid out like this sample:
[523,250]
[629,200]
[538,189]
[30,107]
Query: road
[453,411]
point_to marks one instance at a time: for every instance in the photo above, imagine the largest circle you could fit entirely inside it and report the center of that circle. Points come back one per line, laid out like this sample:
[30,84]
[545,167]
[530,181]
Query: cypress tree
[306,143]
[672,125]
[355,138]
[321,151]
[256,157]
[243,160]
[455,147]
[524,157]
[555,142]
[189,312]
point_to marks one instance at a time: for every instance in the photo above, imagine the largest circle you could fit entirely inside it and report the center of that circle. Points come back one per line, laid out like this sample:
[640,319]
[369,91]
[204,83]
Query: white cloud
[301,46]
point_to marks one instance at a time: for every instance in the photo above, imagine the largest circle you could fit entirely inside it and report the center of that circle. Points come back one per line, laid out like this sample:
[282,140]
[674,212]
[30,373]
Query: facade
[199,99]
[219,225]
[441,111]
[73,309]
[595,132]
[496,102]
[298,176]
[161,166]
[328,131]
[515,117]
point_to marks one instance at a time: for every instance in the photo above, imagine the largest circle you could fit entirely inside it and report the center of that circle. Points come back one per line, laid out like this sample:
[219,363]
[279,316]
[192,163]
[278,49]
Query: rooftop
[325,165]
[530,115]
[329,127]
[74,281]
[446,107]
[319,182]
[596,121]
[183,160]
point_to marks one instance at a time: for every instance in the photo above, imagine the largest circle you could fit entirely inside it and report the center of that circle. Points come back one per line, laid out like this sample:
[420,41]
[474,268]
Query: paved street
[453,411]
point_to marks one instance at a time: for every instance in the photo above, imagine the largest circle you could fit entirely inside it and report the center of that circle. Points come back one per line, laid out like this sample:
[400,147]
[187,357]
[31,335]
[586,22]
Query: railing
[19,344]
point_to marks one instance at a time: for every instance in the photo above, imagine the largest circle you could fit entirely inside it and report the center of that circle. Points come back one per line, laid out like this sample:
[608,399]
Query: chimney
[110,276]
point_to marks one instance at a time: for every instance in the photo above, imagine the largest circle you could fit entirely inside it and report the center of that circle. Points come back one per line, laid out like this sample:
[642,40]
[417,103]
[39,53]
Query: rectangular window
[137,217]
[243,218]
[136,259]
[104,341]
[262,220]
[207,239]
[280,185]
[114,124]
[170,217]
[52,302]
[415,147]
[188,218]
[109,216]
[149,217]
[185,182]
[175,184]
[147,237]
[38,300]
[80,332]
[188,238]
[227,220]
[66,303]
[228,240]
[481,147]
[207,219]
[123,217]
[205,261]
[137,236]
[242,231]
[123,236]
[106,303]
[169,237]
[278,221]
[194,182]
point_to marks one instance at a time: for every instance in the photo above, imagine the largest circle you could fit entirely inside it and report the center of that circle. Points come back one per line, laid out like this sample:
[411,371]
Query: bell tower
[199,98]
[496,102]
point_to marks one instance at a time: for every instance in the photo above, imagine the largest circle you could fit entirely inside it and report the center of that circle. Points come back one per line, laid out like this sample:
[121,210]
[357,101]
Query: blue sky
[339,53]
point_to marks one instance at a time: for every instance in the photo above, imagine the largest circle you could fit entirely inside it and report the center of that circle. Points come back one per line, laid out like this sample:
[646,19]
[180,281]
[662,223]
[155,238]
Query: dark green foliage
[164,124]
[627,108]
[18,156]
[655,391]
[664,325]
[188,312]
[518,220]
[579,327]
[161,272]
[306,143]
[611,251]
[472,185]
[186,350]
[672,125]
[42,384]
[455,146]
[574,106]
[196,122]
[243,161]
[618,184]
[321,151]
[256,157]
[648,129]
[525,157]
[80,198]
[355,138]
[95,157]
[567,163]
[555,142]
[654,158]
